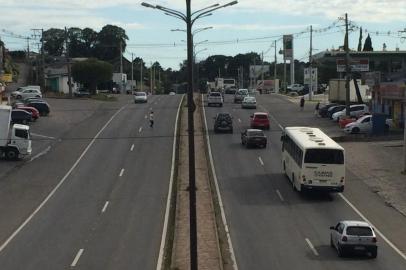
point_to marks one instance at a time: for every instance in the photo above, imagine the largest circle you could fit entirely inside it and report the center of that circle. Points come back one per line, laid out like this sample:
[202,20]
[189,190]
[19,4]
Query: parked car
[240,95]
[81,92]
[344,120]
[323,110]
[253,137]
[223,122]
[355,237]
[27,92]
[364,125]
[249,103]
[140,97]
[42,107]
[20,116]
[214,98]
[332,110]
[355,110]
[260,120]
[34,112]
[295,87]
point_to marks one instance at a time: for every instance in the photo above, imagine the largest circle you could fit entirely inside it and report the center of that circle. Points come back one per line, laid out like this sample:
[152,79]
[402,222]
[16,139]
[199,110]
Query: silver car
[140,97]
[249,103]
[355,237]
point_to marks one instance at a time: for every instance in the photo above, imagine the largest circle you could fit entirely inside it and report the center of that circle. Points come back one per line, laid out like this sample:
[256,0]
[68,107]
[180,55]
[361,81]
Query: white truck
[15,140]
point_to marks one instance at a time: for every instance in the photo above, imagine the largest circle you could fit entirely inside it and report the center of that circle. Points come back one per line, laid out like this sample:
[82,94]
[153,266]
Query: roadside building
[56,76]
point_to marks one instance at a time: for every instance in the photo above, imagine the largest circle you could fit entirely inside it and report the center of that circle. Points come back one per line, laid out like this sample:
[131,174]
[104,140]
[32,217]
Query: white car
[172,93]
[355,111]
[249,103]
[27,93]
[364,125]
[295,87]
[140,97]
[215,98]
[355,237]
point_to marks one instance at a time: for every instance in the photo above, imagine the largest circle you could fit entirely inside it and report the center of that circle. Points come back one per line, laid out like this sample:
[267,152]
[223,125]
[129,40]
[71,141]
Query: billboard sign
[359,65]
[307,76]
[288,47]
[6,77]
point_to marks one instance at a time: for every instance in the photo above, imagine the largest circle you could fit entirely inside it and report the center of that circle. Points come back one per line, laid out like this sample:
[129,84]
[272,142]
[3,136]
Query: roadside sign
[307,76]
[288,47]
[7,77]
[360,65]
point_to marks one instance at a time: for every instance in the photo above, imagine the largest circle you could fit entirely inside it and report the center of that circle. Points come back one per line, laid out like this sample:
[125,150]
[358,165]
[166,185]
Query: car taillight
[344,239]
[374,240]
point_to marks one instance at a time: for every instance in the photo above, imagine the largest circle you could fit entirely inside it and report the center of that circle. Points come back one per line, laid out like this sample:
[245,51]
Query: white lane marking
[146,116]
[105,206]
[274,119]
[170,189]
[30,217]
[280,195]
[140,130]
[261,161]
[395,248]
[312,247]
[132,148]
[77,257]
[239,120]
[223,215]
[46,150]
[42,136]
[121,172]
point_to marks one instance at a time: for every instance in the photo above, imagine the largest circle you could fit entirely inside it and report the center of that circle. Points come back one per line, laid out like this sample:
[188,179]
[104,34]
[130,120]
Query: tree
[91,72]
[54,41]
[89,39]
[108,42]
[76,45]
[368,45]
[360,40]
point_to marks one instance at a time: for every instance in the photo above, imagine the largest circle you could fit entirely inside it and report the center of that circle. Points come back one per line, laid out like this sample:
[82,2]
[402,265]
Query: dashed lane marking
[105,206]
[132,148]
[312,247]
[121,172]
[280,195]
[77,257]
[261,161]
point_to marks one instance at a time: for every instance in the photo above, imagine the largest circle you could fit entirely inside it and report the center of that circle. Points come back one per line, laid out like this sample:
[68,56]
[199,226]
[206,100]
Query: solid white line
[140,130]
[105,206]
[280,195]
[42,136]
[132,148]
[121,172]
[146,116]
[41,153]
[223,215]
[75,261]
[312,247]
[30,217]
[170,189]
[395,248]
[261,161]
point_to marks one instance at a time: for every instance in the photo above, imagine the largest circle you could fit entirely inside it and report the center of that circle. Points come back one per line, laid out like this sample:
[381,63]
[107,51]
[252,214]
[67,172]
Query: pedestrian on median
[151,119]
[316,109]
[302,102]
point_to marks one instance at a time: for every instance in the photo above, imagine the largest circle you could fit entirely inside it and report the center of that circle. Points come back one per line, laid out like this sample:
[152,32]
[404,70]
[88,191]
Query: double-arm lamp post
[190,18]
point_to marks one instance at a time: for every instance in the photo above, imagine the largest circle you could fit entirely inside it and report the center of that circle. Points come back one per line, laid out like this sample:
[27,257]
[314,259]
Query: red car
[34,112]
[260,120]
[344,121]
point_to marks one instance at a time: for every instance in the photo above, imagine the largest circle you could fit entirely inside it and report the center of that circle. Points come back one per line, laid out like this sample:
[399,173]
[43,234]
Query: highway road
[274,227]
[97,199]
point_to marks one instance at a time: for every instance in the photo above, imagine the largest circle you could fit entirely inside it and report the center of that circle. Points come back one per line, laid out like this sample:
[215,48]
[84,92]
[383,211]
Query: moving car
[253,137]
[295,87]
[27,92]
[355,237]
[19,116]
[34,112]
[355,110]
[260,120]
[240,95]
[324,109]
[81,92]
[214,98]
[223,122]
[172,93]
[140,97]
[249,103]
[42,107]
[364,125]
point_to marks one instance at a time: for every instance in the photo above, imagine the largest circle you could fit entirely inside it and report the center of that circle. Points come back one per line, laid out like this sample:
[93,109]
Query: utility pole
[284,74]
[141,78]
[121,66]
[68,63]
[274,71]
[29,60]
[132,67]
[347,68]
[311,63]
[39,32]
[150,79]
[262,69]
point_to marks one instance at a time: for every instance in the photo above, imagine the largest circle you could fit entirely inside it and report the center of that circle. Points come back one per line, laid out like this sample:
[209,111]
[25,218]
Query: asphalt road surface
[274,227]
[106,181]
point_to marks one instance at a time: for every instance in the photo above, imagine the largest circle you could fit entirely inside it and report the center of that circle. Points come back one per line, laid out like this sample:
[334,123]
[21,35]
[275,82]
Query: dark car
[253,137]
[34,112]
[20,116]
[81,92]
[323,110]
[42,107]
[223,122]
[332,110]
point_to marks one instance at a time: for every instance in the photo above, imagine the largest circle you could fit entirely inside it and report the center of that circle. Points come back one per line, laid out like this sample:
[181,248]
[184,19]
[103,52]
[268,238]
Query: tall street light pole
[189,18]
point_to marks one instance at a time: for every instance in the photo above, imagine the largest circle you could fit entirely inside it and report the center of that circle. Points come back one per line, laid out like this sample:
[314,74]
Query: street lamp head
[147,5]
[231,4]
[206,15]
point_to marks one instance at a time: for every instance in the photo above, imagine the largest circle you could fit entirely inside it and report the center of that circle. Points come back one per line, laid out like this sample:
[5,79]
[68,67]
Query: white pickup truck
[215,98]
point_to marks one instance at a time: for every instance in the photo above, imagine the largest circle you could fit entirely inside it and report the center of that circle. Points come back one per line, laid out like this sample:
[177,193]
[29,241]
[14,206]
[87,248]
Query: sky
[249,26]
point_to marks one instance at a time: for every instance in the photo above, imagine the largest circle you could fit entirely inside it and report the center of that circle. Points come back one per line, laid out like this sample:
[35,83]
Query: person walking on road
[151,119]
[302,102]
[316,109]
